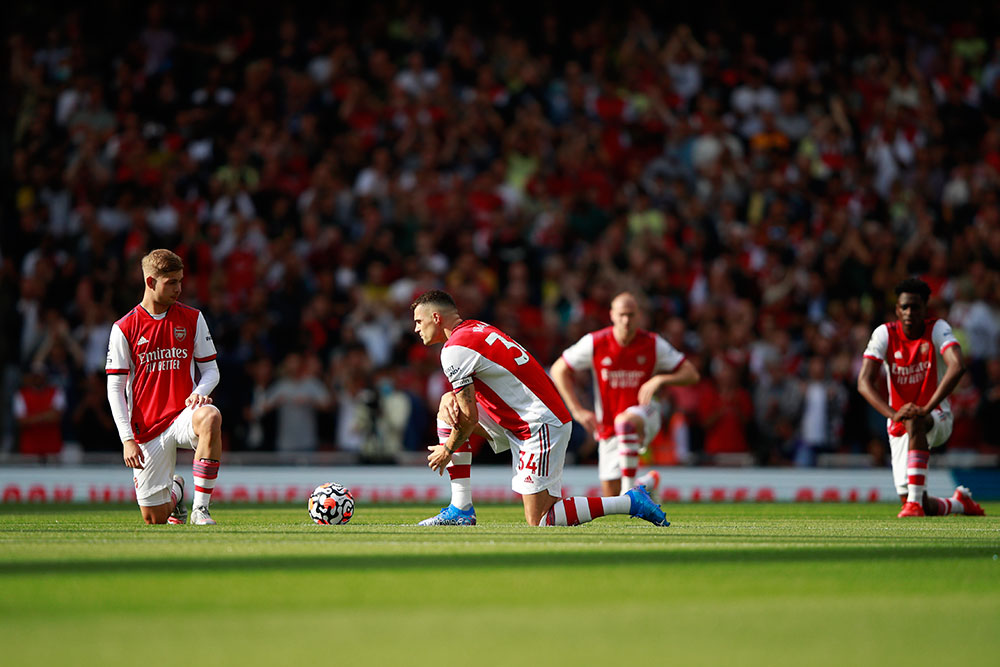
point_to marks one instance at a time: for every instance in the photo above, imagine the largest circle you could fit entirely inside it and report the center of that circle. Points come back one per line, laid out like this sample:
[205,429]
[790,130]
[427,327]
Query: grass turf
[768,584]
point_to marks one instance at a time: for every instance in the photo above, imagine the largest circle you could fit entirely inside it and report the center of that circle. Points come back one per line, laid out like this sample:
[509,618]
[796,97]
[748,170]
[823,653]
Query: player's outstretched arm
[562,377]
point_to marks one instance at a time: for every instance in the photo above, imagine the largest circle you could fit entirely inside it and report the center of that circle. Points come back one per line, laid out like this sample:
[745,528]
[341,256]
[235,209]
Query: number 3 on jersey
[510,345]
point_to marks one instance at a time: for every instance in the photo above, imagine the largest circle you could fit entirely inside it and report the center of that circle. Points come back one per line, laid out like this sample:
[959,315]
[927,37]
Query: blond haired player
[500,387]
[629,367]
[923,363]
[152,354]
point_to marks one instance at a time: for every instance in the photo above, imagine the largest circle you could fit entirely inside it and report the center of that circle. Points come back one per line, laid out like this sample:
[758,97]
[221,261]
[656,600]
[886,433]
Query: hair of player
[914,286]
[638,297]
[159,263]
[435,297]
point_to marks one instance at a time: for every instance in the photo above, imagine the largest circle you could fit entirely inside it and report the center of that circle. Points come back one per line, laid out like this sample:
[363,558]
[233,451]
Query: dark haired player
[923,364]
[499,387]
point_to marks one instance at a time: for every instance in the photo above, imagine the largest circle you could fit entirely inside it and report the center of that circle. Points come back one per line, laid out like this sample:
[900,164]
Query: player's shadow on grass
[516,559]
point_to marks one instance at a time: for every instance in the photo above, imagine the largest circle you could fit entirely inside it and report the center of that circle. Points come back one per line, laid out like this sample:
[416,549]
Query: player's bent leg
[922,435]
[575,511]
[460,511]
[459,468]
[543,508]
[916,467]
[630,431]
[537,506]
[207,425]
[939,429]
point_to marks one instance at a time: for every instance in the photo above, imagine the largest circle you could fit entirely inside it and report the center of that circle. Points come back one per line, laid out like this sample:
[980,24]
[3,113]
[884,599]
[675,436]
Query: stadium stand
[763,178]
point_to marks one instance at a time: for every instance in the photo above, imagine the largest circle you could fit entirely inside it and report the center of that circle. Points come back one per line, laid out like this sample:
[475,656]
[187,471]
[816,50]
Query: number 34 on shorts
[530,464]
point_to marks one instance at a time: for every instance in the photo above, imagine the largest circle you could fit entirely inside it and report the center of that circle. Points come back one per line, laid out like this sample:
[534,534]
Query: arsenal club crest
[180,333]
[924,347]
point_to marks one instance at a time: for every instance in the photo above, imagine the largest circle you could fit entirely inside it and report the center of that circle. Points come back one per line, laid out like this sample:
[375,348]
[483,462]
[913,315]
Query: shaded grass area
[743,584]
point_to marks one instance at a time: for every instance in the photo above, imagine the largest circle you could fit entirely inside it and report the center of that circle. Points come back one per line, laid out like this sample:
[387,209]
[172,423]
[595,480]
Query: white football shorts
[609,464]
[152,483]
[900,446]
[538,461]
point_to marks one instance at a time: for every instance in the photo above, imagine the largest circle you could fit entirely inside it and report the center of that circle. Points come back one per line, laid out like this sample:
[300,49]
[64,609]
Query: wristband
[447,449]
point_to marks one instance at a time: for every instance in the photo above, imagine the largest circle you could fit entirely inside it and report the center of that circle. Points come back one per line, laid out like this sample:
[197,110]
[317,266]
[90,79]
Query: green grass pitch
[743,584]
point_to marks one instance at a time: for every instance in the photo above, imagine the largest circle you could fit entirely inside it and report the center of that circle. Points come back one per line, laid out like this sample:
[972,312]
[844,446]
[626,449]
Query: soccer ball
[331,503]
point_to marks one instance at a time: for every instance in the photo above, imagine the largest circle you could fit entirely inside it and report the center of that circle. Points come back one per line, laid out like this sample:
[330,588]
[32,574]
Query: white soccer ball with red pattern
[331,504]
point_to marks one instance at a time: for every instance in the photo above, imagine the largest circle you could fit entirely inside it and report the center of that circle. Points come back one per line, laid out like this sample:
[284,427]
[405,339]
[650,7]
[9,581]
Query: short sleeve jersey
[511,387]
[158,355]
[619,371]
[914,367]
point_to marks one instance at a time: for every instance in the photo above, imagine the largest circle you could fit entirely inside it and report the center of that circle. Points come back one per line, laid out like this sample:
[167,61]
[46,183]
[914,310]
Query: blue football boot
[643,507]
[452,516]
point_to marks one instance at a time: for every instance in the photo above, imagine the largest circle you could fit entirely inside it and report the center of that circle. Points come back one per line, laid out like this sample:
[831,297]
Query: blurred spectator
[260,423]
[38,408]
[823,400]
[777,406]
[92,424]
[725,412]
[382,416]
[297,396]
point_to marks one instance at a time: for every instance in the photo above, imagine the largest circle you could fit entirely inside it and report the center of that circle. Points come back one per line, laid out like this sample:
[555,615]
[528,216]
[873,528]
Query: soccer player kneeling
[923,365]
[152,354]
[502,390]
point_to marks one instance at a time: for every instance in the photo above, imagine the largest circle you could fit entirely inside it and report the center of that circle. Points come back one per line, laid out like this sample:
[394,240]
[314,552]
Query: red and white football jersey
[158,354]
[511,387]
[619,371]
[913,367]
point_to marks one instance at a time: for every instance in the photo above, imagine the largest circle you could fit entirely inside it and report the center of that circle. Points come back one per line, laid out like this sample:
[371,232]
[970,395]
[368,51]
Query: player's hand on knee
[908,411]
[648,390]
[196,400]
[132,454]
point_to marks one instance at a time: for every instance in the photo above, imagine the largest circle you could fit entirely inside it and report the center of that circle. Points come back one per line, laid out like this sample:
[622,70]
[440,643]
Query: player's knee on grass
[155,515]
[536,506]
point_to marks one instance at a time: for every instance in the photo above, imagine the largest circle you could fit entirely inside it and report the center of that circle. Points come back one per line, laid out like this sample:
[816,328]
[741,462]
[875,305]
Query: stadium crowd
[763,182]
